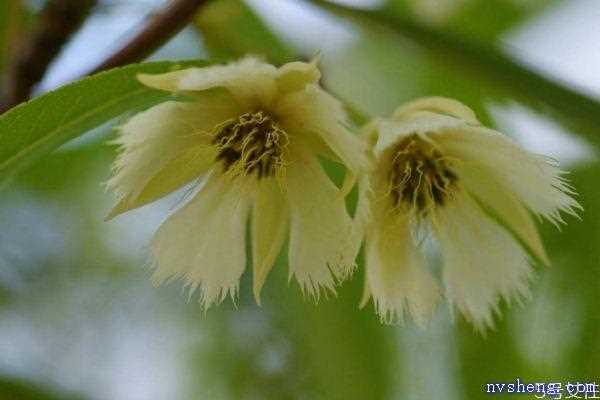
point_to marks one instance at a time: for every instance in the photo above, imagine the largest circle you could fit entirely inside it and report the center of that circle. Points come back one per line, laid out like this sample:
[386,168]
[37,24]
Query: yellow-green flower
[437,170]
[249,137]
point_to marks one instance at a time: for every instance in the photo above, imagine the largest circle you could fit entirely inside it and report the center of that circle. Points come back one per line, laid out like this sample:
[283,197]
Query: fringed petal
[501,204]
[482,262]
[162,149]
[250,81]
[396,275]
[270,223]
[204,243]
[537,181]
[322,247]
[319,117]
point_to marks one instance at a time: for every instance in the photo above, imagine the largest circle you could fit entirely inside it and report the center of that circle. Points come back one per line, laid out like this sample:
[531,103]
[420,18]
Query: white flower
[436,169]
[253,131]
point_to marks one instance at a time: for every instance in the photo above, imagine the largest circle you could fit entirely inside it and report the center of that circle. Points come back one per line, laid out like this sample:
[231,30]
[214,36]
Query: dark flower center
[420,176]
[253,142]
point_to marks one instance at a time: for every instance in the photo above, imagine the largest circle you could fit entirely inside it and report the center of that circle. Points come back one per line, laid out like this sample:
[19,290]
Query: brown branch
[157,31]
[57,22]
[61,18]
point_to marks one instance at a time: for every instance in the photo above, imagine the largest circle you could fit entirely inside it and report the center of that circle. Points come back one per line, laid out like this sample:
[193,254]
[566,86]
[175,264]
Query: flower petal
[535,180]
[249,80]
[501,203]
[270,221]
[204,242]
[438,105]
[295,76]
[395,274]
[183,168]
[390,132]
[170,141]
[322,247]
[422,116]
[318,116]
[482,262]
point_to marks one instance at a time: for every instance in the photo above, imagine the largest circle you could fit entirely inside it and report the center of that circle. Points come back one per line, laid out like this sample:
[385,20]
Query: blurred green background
[79,318]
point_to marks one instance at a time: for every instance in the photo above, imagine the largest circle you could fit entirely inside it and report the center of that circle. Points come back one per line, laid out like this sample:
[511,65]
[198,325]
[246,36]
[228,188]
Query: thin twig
[57,22]
[156,32]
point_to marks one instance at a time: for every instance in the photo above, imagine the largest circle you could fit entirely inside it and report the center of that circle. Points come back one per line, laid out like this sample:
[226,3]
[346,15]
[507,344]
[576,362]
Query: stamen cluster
[253,142]
[420,176]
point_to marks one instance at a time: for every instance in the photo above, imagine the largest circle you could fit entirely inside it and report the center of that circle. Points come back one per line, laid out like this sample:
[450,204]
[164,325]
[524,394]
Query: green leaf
[39,126]
[231,29]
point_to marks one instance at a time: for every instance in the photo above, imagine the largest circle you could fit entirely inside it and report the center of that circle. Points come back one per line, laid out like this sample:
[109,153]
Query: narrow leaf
[39,126]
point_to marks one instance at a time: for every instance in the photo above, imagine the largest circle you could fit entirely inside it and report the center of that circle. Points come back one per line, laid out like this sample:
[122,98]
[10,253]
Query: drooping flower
[438,173]
[250,137]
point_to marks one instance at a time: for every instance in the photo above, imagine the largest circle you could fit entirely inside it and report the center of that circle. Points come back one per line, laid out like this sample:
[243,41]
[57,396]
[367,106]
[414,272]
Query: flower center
[253,142]
[420,176]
